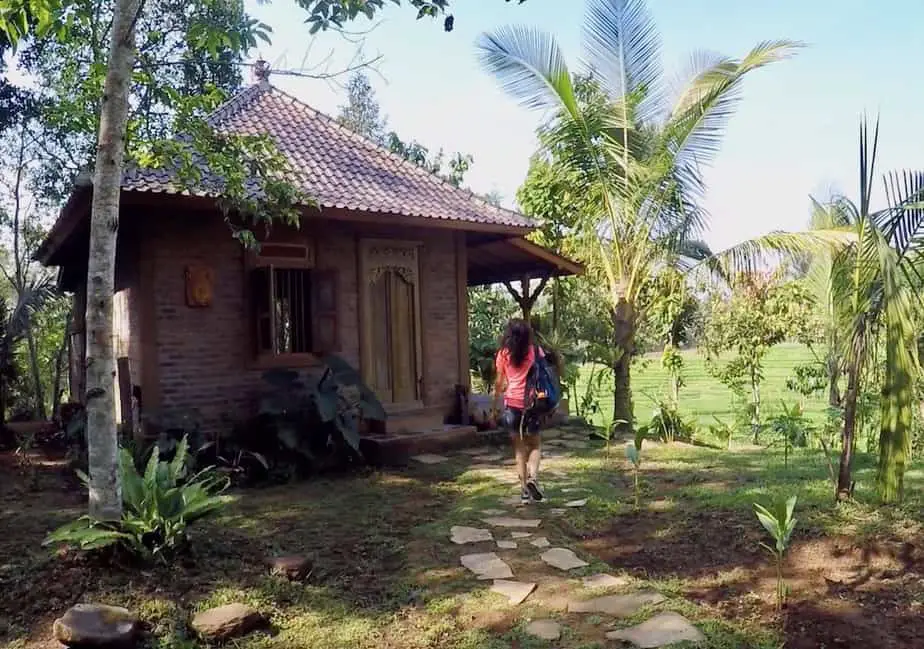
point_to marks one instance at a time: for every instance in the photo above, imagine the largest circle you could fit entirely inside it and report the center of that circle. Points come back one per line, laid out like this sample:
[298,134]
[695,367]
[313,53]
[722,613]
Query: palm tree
[866,290]
[635,148]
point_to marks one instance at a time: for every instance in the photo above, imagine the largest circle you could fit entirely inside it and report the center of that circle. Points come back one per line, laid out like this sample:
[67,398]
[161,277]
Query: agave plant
[633,144]
[158,507]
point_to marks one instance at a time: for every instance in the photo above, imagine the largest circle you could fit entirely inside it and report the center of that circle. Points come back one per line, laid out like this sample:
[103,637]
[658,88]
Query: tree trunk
[102,436]
[39,391]
[834,393]
[59,361]
[624,342]
[850,425]
[755,407]
[896,419]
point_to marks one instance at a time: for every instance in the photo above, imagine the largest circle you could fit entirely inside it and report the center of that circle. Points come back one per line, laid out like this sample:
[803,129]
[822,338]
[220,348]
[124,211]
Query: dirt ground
[841,594]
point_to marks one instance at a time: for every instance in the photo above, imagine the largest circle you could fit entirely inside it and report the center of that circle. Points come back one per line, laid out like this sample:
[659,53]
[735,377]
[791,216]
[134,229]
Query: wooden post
[524,299]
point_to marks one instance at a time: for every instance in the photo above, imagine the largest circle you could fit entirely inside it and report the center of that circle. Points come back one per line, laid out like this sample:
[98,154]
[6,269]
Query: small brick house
[378,272]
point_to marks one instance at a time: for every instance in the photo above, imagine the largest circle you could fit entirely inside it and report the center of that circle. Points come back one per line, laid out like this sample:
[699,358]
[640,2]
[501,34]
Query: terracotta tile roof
[335,166]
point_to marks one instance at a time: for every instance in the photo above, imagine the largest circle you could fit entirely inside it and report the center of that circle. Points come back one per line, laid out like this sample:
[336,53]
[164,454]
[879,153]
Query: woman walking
[513,362]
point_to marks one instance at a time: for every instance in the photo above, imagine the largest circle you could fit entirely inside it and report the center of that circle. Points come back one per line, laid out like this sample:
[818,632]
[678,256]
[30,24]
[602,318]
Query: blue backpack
[543,389]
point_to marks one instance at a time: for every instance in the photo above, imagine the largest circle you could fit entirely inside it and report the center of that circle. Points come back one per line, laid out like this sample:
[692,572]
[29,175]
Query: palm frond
[530,67]
[697,121]
[868,150]
[769,249]
[33,296]
[903,221]
[623,51]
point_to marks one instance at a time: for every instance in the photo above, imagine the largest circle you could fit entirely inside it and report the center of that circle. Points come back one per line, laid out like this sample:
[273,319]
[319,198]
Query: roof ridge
[415,168]
[236,102]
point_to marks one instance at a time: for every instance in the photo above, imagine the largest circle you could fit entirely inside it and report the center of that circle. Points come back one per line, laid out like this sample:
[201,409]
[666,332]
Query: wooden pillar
[524,298]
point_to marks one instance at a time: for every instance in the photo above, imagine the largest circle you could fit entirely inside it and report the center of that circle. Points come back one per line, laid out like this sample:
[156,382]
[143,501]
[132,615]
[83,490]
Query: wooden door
[394,337]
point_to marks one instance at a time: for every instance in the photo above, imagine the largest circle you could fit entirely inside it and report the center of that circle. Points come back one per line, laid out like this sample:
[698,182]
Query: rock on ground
[617,605]
[506,521]
[540,542]
[96,625]
[487,565]
[507,545]
[291,567]
[459,534]
[515,591]
[663,629]
[563,559]
[544,629]
[430,458]
[576,503]
[228,621]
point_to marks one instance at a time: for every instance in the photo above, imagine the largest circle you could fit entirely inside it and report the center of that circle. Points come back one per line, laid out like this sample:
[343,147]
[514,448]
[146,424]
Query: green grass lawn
[704,397]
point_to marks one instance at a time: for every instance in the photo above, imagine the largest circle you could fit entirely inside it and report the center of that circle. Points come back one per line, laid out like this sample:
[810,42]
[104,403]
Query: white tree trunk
[102,436]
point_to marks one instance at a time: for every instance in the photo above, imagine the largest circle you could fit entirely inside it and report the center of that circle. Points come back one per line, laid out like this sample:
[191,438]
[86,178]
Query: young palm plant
[867,289]
[780,524]
[633,144]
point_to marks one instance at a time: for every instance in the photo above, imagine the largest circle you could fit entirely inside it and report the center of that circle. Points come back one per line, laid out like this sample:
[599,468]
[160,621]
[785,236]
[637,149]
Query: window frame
[254,261]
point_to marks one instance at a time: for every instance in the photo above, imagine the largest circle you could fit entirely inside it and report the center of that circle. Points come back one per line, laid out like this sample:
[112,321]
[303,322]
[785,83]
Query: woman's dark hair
[518,338]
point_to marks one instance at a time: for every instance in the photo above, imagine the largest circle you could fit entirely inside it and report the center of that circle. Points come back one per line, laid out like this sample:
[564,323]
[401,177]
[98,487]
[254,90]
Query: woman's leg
[521,455]
[534,453]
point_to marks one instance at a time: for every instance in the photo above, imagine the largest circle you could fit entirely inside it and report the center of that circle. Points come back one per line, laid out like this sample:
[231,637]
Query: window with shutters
[293,307]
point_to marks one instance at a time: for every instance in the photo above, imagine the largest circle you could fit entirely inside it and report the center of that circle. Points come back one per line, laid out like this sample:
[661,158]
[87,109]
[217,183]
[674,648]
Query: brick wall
[204,354]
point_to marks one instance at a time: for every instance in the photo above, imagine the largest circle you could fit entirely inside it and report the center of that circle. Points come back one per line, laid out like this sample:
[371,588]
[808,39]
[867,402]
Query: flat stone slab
[493,512]
[507,521]
[544,629]
[575,443]
[563,559]
[663,629]
[460,535]
[617,605]
[229,621]
[487,565]
[540,542]
[574,490]
[554,442]
[576,503]
[430,458]
[507,545]
[96,625]
[604,581]
[520,535]
[511,501]
[557,511]
[515,591]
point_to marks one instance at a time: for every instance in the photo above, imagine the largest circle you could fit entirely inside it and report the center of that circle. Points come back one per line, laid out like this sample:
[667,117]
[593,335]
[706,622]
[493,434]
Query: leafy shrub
[158,508]
[723,431]
[791,428]
[668,425]
[310,425]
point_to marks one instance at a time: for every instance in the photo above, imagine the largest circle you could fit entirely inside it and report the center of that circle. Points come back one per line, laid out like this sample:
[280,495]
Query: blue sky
[795,132]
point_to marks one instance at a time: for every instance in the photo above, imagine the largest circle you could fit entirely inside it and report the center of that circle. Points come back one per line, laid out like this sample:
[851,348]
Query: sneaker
[525,498]
[534,492]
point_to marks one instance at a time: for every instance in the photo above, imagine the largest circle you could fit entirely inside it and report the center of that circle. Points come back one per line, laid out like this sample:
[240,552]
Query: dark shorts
[514,416]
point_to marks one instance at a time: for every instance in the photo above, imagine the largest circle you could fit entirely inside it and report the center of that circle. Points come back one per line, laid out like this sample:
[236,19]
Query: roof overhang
[509,259]
[76,212]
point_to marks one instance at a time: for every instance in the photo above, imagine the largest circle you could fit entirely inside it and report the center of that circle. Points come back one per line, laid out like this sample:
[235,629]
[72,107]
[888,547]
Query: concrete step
[397,449]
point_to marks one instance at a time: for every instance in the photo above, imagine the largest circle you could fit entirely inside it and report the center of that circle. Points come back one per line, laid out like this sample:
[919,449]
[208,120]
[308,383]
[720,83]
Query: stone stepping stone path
[602,581]
[515,591]
[507,521]
[430,458]
[617,605]
[663,629]
[563,559]
[460,535]
[544,629]
[487,565]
